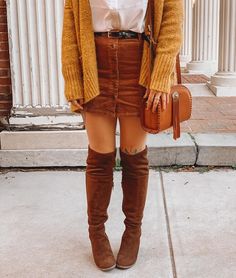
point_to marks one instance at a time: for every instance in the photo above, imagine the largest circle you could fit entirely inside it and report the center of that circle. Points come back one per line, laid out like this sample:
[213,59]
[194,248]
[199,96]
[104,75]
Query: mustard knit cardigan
[78,56]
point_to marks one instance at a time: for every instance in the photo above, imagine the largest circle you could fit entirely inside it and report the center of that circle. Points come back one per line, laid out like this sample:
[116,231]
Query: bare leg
[101,131]
[132,136]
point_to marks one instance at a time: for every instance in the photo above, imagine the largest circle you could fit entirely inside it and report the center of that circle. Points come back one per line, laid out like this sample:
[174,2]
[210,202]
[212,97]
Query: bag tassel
[175,115]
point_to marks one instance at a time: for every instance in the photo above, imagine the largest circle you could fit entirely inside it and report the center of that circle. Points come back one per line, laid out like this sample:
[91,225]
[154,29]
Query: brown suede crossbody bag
[179,107]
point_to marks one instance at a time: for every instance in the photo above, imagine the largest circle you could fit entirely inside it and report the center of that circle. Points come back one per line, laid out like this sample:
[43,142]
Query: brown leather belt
[119,34]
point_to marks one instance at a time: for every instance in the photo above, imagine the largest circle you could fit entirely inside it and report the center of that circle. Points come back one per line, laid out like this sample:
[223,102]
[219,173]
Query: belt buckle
[111,31]
[124,35]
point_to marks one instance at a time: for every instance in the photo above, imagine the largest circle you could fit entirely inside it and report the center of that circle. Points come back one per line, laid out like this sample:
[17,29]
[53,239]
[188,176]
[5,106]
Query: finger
[149,102]
[167,98]
[157,99]
[155,103]
[146,93]
[152,96]
[157,94]
[150,99]
[163,101]
[154,106]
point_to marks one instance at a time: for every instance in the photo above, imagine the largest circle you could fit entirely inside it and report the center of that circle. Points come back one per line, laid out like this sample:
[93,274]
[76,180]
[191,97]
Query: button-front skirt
[118,62]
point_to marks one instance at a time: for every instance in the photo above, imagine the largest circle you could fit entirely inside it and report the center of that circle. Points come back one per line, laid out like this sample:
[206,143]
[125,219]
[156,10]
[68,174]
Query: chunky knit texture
[79,64]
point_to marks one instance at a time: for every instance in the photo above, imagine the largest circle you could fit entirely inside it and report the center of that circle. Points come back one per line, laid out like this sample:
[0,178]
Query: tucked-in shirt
[118,14]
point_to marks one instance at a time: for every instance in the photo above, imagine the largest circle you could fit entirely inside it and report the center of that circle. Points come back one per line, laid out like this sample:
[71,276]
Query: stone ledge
[165,151]
[69,148]
[33,140]
[218,149]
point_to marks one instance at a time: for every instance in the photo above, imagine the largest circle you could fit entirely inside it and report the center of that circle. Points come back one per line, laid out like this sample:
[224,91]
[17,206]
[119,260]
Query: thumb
[146,93]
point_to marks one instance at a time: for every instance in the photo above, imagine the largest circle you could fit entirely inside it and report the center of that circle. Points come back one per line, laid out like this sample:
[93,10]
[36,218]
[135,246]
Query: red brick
[3,37]
[4,45]
[3,3]
[4,64]
[4,55]
[3,27]
[5,81]
[4,72]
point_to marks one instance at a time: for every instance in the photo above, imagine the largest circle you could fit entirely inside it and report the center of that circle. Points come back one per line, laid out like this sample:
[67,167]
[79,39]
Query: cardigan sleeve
[70,56]
[168,45]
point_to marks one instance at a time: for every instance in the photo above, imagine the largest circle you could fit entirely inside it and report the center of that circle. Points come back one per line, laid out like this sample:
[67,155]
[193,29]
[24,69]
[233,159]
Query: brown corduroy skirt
[118,62]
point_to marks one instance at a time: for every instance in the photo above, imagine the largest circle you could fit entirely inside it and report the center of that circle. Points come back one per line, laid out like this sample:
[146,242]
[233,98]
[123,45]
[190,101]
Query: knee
[132,150]
[135,164]
[134,159]
[101,160]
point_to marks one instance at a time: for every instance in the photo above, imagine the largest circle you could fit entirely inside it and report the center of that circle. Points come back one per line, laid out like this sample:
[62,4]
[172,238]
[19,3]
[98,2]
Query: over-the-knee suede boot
[135,173]
[99,184]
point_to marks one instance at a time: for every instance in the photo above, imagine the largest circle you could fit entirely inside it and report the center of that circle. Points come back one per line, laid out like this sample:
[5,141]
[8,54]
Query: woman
[105,68]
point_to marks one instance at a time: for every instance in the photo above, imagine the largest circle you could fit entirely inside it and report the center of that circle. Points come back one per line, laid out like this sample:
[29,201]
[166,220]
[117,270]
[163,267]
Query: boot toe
[124,261]
[106,263]
[129,249]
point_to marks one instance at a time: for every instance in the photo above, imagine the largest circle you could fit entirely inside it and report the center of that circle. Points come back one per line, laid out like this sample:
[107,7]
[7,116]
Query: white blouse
[118,14]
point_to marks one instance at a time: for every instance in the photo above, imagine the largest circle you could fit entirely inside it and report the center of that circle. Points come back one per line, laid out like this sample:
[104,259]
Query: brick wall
[5,74]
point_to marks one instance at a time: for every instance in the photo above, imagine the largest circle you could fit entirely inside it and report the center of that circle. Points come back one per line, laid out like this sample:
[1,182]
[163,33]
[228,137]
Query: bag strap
[150,24]
[178,69]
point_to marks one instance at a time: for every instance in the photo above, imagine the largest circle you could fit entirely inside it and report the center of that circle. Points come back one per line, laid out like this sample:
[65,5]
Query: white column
[223,83]
[186,49]
[35,30]
[205,36]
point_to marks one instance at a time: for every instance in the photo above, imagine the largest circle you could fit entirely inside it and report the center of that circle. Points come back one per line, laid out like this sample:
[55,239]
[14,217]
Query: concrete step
[69,148]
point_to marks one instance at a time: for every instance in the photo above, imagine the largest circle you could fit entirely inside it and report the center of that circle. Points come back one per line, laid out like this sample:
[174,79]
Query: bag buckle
[175,96]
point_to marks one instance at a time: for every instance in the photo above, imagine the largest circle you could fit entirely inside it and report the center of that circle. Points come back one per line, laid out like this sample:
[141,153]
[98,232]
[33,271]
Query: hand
[78,102]
[153,99]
